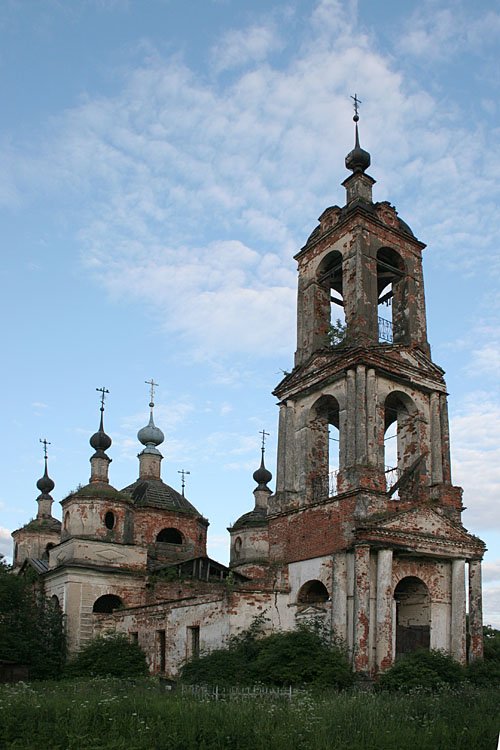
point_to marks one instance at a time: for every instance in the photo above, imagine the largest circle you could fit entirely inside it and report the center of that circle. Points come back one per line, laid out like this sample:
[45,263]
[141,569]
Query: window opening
[194,640]
[134,637]
[107,603]
[162,649]
[237,546]
[400,449]
[313,592]
[170,536]
[47,550]
[109,520]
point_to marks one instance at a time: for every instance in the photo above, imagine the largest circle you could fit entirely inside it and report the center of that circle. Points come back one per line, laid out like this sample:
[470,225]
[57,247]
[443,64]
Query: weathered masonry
[363,531]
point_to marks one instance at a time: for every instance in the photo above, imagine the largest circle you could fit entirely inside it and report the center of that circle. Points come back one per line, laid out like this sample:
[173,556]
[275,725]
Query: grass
[117,715]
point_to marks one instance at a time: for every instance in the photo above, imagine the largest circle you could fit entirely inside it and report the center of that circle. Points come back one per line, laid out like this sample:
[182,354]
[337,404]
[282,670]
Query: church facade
[376,553]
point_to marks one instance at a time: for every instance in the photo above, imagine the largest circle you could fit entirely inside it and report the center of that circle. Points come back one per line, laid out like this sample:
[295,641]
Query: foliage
[336,333]
[110,656]
[487,671]
[31,627]
[422,669]
[118,715]
[298,657]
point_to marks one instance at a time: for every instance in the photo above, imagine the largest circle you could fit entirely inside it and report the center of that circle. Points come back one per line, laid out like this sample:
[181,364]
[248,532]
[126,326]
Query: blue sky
[162,161]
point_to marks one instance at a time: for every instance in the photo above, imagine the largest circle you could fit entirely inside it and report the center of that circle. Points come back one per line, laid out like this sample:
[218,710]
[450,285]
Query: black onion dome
[357,160]
[99,441]
[262,476]
[45,483]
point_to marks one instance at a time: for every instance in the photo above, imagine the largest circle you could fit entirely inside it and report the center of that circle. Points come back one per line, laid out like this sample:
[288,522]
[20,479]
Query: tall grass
[116,715]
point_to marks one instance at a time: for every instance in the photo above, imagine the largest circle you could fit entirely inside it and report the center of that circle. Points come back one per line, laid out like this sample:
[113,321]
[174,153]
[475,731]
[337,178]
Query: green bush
[110,656]
[298,657]
[422,669]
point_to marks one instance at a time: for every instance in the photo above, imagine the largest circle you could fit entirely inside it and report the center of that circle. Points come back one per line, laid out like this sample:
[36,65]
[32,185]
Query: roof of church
[154,493]
[41,524]
[256,517]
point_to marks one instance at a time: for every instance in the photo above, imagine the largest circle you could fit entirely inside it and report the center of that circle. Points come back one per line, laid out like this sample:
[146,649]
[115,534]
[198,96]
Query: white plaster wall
[100,553]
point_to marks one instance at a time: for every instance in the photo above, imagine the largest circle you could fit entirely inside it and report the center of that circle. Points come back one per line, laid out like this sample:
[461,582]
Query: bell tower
[364,381]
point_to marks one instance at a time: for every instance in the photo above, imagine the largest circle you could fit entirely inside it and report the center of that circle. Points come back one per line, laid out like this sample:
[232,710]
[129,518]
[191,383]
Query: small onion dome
[151,436]
[262,476]
[358,159]
[99,441]
[45,483]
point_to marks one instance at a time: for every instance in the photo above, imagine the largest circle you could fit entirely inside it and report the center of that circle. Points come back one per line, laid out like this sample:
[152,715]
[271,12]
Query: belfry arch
[324,457]
[330,300]
[400,451]
[391,296]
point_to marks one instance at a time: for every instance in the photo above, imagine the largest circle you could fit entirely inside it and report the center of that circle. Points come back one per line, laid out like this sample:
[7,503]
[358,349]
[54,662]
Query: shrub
[298,657]
[110,656]
[422,669]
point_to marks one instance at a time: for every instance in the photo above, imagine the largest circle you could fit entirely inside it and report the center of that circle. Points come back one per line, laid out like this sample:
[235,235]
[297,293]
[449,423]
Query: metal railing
[392,475]
[325,486]
[385,330]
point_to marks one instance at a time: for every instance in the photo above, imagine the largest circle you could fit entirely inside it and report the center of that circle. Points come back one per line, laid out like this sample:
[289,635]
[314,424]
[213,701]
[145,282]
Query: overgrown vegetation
[31,626]
[110,656]
[431,670]
[119,715]
[303,656]
[336,333]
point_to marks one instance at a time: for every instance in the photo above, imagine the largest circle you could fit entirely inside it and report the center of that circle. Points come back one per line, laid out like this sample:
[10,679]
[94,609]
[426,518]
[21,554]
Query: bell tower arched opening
[401,452]
[332,312]
[391,295]
[413,615]
[325,441]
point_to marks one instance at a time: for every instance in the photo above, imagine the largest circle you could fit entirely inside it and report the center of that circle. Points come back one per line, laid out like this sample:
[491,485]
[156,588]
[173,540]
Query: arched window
[170,536]
[401,440]
[313,592]
[237,546]
[109,520]
[47,550]
[107,603]
[413,615]
[391,291]
[332,313]
[54,600]
[66,519]
[325,441]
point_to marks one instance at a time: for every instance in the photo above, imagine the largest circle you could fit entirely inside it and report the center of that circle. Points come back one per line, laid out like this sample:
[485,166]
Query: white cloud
[240,47]
[5,543]
[491,570]
[475,438]
[491,605]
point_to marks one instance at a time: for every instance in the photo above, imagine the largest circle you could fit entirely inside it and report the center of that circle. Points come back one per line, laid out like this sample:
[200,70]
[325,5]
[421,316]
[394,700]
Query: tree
[31,626]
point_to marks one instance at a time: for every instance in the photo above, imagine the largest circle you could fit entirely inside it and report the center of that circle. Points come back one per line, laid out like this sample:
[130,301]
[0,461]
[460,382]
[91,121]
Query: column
[457,640]
[384,610]
[351,411]
[475,611]
[361,452]
[436,446]
[445,437]
[371,417]
[339,596]
[361,608]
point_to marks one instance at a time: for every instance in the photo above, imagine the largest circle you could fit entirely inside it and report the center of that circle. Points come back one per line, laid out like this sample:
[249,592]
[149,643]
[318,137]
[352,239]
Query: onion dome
[151,436]
[262,476]
[45,483]
[99,441]
[357,160]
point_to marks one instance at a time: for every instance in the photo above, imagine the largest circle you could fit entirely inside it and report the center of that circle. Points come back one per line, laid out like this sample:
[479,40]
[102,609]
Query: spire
[262,476]
[358,185]
[100,442]
[45,485]
[150,436]
[358,159]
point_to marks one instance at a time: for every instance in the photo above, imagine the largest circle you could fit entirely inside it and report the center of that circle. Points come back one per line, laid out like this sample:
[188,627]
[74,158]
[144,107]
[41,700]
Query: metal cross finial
[45,443]
[264,435]
[152,392]
[183,473]
[103,392]
[357,102]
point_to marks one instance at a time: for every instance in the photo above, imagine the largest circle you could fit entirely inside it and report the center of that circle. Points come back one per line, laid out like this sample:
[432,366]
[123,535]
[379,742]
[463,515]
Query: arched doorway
[313,592]
[413,615]
[106,604]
